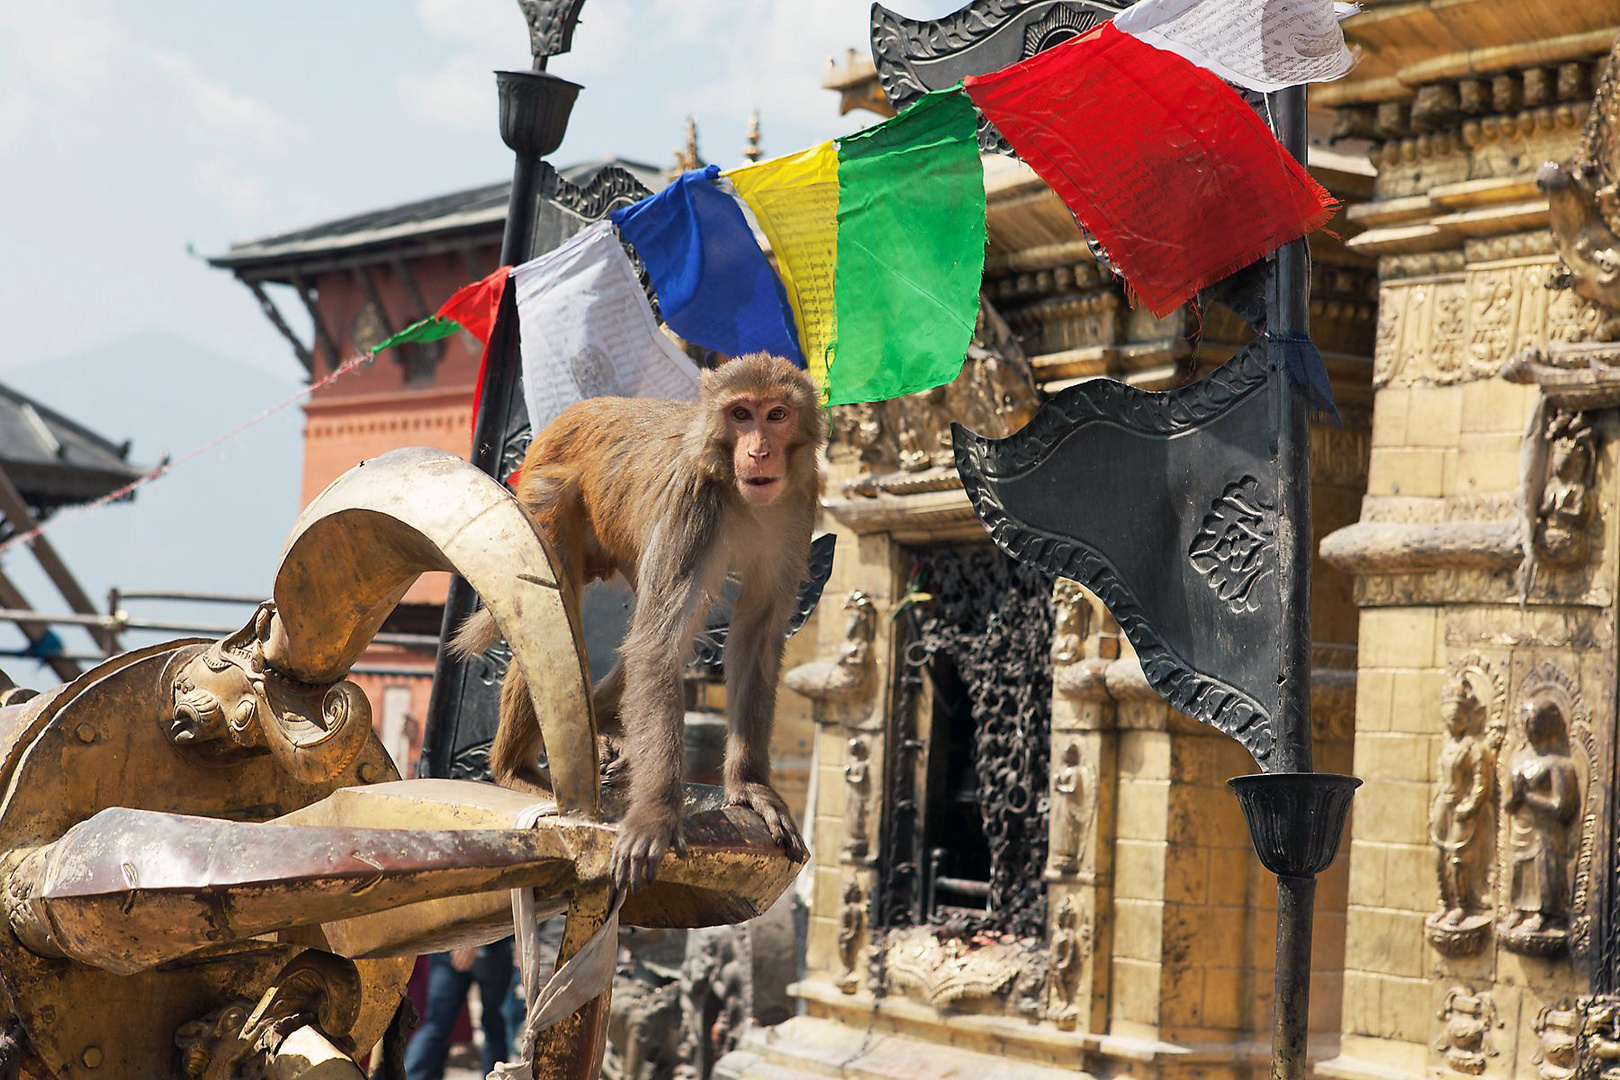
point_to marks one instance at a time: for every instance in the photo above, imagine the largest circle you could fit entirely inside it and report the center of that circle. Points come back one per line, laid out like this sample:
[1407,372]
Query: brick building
[357,280]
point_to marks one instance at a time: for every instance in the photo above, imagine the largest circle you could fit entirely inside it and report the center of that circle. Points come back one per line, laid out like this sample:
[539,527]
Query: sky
[139,137]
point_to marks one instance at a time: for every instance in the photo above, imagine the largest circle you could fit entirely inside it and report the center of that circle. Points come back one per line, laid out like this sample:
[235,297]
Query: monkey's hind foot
[642,842]
[763,800]
[612,763]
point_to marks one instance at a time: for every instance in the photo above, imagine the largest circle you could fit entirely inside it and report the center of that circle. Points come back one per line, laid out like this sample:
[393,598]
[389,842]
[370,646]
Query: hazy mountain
[215,523]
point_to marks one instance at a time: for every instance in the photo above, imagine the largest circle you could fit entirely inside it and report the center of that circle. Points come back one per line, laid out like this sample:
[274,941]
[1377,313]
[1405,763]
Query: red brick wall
[372,410]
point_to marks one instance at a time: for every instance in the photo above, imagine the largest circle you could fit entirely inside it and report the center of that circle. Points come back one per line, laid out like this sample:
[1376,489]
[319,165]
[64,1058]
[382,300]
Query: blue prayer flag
[715,287]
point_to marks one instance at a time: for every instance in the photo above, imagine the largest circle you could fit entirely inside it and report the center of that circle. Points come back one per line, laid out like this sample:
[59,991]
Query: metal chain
[993,619]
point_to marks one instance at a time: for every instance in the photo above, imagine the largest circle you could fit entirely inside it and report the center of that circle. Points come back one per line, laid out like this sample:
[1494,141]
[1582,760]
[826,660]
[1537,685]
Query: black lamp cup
[535,107]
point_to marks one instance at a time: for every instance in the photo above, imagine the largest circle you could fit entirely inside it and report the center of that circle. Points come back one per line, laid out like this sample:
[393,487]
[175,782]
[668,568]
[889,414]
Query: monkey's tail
[477,633]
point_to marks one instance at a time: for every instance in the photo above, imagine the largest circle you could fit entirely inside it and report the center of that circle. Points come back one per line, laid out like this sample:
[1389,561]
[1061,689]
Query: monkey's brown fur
[675,495]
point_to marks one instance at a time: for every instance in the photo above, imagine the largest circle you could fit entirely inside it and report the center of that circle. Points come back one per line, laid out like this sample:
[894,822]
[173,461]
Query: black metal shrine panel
[914,56]
[709,649]
[459,730]
[1164,505]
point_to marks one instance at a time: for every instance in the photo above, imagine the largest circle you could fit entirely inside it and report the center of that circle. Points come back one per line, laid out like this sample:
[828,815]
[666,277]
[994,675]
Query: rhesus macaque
[675,495]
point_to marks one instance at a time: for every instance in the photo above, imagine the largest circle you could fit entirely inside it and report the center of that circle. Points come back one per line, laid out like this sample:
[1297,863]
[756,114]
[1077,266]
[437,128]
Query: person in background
[449,976]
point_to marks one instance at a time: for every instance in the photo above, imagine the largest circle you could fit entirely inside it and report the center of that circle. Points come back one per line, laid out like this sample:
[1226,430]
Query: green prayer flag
[911,238]
[432,328]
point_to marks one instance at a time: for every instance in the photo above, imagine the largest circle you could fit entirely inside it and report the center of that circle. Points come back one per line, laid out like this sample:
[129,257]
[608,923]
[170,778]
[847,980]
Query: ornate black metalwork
[1236,548]
[551,26]
[991,618]
[610,188]
[709,649]
[914,56]
[1142,461]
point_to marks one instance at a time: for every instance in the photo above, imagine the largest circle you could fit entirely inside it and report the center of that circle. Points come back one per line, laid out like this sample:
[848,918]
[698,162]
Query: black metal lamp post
[534,110]
[1295,815]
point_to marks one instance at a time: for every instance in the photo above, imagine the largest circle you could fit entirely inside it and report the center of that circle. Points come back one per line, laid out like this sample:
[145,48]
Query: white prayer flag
[1264,45]
[586,330]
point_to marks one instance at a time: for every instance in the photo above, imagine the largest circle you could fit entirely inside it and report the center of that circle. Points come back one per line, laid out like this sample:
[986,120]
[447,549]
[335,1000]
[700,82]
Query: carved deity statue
[1455,829]
[924,428]
[860,627]
[857,783]
[1565,506]
[846,679]
[1071,622]
[851,922]
[1542,796]
[1558,1037]
[1602,1035]
[1067,812]
[1465,1034]
[1071,943]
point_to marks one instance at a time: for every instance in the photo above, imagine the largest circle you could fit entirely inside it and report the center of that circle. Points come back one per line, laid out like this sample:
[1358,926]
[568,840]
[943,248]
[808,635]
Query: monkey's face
[761,430]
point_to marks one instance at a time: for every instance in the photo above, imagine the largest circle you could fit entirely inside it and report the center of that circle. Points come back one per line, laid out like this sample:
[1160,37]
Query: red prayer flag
[474,306]
[1173,173]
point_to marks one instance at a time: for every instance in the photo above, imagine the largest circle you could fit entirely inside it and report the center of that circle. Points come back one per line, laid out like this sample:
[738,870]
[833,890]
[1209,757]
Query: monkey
[675,495]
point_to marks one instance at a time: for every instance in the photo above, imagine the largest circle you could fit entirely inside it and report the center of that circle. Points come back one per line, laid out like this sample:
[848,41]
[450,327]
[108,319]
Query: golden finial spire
[687,157]
[752,151]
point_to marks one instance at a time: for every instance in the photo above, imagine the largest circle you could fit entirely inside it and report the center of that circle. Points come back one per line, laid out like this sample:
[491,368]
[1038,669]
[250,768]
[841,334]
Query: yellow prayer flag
[795,200]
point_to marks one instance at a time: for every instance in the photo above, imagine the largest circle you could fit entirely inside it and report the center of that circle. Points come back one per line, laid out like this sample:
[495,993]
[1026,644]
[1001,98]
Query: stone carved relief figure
[1566,508]
[1465,1033]
[1460,815]
[1071,622]
[1071,946]
[864,429]
[851,924]
[994,395]
[857,783]
[923,425]
[1558,1034]
[848,678]
[1601,1037]
[1541,799]
[1070,797]
[860,627]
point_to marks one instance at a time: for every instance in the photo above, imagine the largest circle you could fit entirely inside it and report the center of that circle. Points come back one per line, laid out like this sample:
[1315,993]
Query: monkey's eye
[776,415]
[739,414]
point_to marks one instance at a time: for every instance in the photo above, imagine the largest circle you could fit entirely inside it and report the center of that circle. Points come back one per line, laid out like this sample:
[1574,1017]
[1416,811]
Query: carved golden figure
[1467,1020]
[1068,814]
[1071,943]
[1541,800]
[1464,788]
[847,678]
[1565,506]
[1557,1031]
[1071,621]
[857,782]
[851,923]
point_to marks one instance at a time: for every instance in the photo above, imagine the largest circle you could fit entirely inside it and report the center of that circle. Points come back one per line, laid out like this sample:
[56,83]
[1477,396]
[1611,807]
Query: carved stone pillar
[1084,782]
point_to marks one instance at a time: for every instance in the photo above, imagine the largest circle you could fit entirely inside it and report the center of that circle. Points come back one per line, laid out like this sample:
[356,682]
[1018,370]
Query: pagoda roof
[55,461]
[474,215]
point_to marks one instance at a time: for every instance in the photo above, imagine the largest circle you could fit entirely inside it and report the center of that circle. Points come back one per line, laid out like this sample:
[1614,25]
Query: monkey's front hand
[763,800]
[643,839]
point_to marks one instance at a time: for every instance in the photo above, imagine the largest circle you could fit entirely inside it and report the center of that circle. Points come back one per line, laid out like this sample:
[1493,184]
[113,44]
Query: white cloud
[485,24]
[59,48]
[243,192]
[60,61]
[221,111]
[460,94]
